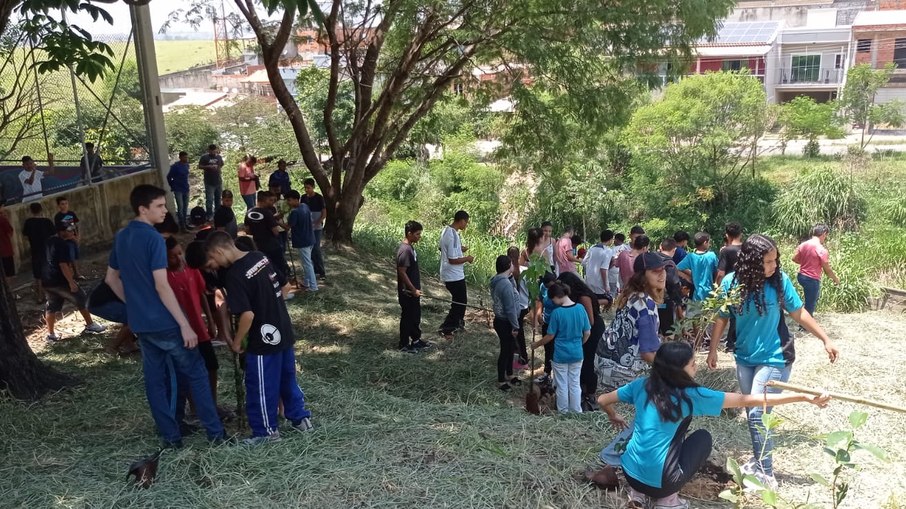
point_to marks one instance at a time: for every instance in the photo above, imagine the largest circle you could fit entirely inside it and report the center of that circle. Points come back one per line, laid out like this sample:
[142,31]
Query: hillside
[174,56]
[402,430]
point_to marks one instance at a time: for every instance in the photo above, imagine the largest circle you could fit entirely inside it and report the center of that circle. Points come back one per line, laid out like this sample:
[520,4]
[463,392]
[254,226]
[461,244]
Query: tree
[804,118]
[858,100]
[403,56]
[20,109]
[690,149]
[189,129]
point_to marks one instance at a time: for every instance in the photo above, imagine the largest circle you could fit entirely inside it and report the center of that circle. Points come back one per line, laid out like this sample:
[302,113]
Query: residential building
[879,38]
[813,59]
[739,46]
[796,13]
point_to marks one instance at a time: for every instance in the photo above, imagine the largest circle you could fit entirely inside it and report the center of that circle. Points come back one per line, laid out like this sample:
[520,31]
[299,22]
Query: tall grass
[822,195]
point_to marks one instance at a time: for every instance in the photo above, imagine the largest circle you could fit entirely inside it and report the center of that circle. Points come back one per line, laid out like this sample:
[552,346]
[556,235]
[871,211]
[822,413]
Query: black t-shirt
[58,251]
[727,259]
[203,233]
[674,289]
[406,257]
[226,219]
[68,218]
[211,177]
[261,223]
[251,285]
[38,230]
[315,202]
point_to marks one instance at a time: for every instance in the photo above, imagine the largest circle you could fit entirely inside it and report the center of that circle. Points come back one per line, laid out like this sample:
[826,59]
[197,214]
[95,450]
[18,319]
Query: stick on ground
[836,395]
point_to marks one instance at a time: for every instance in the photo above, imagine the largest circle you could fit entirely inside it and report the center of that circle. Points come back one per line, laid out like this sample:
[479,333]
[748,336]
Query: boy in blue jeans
[137,274]
[265,334]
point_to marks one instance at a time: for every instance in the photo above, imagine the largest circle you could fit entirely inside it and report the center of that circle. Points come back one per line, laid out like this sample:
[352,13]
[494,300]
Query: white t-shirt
[598,257]
[548,252]
[614,274]
[33,191]
[450,247]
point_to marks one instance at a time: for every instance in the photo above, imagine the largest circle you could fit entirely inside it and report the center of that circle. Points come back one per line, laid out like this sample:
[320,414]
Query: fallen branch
[836,395]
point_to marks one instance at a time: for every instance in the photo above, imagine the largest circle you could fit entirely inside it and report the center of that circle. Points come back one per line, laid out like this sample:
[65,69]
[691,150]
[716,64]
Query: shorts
[9,266]
[206,349]
[57,295]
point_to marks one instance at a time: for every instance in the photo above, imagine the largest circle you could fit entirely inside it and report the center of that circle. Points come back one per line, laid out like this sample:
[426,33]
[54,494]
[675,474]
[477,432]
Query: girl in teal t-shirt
[660,458]
[569,328]
[764,347]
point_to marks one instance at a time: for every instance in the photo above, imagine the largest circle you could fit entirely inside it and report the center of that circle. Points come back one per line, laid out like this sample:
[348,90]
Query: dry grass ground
[398,430]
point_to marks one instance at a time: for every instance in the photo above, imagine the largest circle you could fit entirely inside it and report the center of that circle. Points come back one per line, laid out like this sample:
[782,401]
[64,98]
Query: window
[731,65]
[805,68]
[863,45]
[899,53]
[839,61]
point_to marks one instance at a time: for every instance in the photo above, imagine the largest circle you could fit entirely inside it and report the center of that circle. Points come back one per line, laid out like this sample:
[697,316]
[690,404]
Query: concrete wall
[198,77]
[794,13]
[103,209]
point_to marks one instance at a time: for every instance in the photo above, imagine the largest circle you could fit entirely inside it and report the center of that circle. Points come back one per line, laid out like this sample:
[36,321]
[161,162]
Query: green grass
[397,430]
[175,56]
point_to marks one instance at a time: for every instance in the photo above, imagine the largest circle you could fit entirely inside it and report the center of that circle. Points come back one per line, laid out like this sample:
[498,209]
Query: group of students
[636,359]
[167,291]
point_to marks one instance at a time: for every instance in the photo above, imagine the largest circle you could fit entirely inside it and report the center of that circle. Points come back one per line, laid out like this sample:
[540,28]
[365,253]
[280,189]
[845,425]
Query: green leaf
[842,456]
[771,421]
[769,497]
[876,451]
[818,478]
[750,481]
[857,419]
[733,468]
[729,496]
[837,437]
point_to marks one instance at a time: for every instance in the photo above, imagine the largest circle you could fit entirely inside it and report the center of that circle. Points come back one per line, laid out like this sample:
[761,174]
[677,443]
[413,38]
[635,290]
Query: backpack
[617,359]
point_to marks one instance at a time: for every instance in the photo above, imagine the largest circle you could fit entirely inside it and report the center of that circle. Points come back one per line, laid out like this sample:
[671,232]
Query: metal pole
[78,112]
[34,68]
[146,59]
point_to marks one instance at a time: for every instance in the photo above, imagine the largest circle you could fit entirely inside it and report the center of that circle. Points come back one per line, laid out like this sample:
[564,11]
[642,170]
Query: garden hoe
[533,396]
[145,470]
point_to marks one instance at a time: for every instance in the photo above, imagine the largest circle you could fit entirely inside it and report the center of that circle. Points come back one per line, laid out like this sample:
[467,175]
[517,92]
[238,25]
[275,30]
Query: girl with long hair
[522,301]
[533,246]
[586,298]
[764,347]
[660,458]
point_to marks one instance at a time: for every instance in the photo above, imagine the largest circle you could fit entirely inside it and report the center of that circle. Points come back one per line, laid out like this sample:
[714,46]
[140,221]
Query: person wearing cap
[58,280]
[637,317]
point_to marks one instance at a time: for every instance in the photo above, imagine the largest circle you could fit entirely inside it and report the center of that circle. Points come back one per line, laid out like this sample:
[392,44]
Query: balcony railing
[811,75]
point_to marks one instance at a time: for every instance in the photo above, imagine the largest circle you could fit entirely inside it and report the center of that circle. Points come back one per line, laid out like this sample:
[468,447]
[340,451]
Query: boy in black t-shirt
[409,290]
[60,285]
[265,334]
[68,217]
[262,225]
[224,217]
[37,229]
[726,263]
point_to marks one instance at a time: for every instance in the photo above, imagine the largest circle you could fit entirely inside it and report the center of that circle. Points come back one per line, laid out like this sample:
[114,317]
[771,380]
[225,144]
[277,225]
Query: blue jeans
[812,290]
[164,360]
[308,268]
[317,257]
[613,452]
[753,380]
[249,200]
[182,207]
[212,194]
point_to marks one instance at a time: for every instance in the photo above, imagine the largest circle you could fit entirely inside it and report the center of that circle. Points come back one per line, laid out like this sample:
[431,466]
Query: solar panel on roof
[747,32]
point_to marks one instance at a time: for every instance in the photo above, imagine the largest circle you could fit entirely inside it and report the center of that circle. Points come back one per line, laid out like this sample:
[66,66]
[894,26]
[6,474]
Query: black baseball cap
[648,261]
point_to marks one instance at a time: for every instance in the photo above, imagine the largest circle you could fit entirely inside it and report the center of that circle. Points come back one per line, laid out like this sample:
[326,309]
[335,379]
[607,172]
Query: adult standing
[764,348]
[533,247]
[178,180]
[32,180]
[409,290]
[318,210]
[212,166]
[453,274]
[302,236]
[547,243]
[813,260]
[137,274]
[248,182]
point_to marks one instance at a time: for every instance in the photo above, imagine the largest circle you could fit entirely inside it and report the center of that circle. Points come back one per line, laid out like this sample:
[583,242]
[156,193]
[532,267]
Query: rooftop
[744,33]
[874,18]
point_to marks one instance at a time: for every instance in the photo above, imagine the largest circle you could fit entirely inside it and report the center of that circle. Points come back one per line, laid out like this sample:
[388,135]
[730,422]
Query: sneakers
[543,379]
[303,425]
[256,441]
[671,502]
[94,328]
[53,338]
[408,349]
[750,467]
[518,365]
[637,499]
[768,480]
[420,345]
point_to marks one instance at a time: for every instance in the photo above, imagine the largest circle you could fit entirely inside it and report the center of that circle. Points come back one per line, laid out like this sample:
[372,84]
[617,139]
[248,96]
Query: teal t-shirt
[567,325]
[758,342]
[646,452]
[703,267]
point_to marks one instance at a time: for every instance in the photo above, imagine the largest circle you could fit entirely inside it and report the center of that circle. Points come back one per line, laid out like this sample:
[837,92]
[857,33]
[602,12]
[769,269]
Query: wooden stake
[836,395]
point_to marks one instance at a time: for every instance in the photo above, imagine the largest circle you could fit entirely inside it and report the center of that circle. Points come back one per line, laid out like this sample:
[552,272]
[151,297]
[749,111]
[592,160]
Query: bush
[811,149]
[819,196]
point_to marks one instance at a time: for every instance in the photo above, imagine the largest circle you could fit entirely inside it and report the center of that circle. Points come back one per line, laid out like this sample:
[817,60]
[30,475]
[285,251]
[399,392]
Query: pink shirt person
[811,257]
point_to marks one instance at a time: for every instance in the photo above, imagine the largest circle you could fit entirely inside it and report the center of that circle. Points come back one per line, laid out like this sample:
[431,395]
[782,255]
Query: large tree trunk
[345,209]
[21,373]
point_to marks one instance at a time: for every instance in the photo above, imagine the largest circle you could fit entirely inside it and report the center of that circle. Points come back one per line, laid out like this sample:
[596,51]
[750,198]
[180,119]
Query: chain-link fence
[52,117]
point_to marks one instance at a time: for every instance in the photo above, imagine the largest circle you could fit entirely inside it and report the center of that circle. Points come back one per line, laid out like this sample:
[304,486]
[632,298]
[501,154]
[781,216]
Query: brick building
[880,38]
